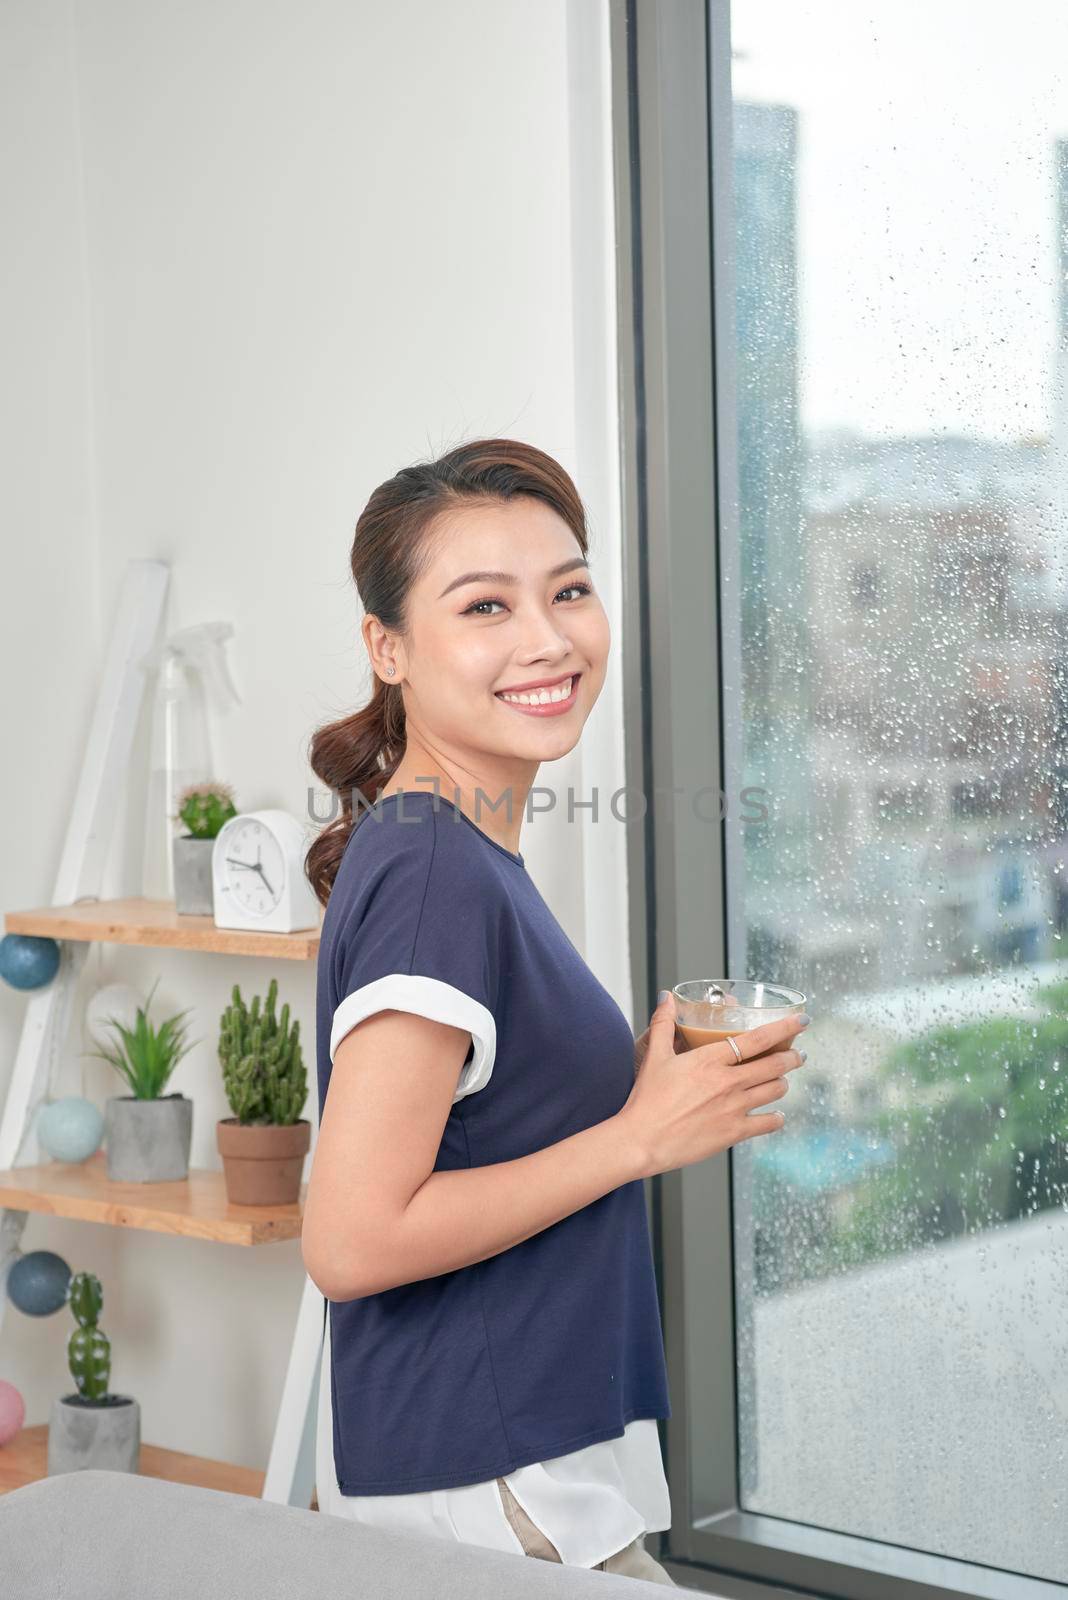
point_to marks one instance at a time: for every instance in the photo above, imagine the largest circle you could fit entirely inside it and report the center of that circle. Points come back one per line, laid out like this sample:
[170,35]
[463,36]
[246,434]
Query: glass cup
[708,1009]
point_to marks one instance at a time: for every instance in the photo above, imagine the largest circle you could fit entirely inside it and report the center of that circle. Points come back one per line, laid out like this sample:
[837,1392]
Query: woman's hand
[641,1045]
[681,1112]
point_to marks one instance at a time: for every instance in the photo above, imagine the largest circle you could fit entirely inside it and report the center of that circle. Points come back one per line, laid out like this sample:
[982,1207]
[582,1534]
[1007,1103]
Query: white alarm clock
[257,874]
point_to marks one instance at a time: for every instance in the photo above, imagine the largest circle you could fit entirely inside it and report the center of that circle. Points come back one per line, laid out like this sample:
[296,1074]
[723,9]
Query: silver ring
[732,1041]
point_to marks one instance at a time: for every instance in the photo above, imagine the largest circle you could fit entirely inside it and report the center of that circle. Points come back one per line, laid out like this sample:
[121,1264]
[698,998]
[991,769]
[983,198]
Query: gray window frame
[671,113]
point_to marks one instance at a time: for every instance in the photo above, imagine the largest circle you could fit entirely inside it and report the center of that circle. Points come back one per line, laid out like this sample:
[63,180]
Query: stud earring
[390,671]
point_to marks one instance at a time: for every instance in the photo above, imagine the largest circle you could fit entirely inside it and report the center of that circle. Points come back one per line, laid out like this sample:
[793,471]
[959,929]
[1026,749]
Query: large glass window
[898,686]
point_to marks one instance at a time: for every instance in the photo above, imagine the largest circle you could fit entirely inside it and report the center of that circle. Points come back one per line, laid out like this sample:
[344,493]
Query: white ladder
[290,1472]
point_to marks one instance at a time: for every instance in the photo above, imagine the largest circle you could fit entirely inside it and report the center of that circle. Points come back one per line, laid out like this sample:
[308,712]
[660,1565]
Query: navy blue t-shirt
[555,1343]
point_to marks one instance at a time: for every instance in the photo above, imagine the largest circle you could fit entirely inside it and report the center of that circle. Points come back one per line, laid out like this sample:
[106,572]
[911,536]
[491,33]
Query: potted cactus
[264,1143]
[92,1428]
[148,1134]
[202,809]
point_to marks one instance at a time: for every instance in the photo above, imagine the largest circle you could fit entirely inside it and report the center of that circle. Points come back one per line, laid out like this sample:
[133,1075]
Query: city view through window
[898,205]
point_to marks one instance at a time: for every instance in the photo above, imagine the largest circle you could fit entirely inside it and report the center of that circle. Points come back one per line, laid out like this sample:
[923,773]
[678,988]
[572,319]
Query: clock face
[254,867]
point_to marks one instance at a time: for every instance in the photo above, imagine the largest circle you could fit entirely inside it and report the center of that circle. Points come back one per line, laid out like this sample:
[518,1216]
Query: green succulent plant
[88,1348]
[204,807]
[147,1056]
[262,1063]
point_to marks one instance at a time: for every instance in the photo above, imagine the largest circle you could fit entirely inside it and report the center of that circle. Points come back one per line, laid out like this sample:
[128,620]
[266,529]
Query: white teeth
[542,697]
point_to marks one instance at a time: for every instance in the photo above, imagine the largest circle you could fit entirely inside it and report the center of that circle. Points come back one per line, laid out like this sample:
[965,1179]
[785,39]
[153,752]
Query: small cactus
[262,1064]
[88,1348]
[204,807]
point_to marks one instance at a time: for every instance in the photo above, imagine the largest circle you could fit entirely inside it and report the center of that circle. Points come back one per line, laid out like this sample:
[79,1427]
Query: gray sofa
[96,1535]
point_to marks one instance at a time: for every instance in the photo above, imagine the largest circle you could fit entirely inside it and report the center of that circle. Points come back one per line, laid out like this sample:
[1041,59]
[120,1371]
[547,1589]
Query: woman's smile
[548,702]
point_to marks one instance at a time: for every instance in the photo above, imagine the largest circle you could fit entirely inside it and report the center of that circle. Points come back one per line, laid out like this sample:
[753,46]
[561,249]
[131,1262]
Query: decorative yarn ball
[70,1129]
[12,1411]
[113,1000]
[28,961]
[38,1282]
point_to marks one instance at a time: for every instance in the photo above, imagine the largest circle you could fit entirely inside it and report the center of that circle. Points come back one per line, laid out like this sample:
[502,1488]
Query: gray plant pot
[148,1141]
[193,896]
[94,1433]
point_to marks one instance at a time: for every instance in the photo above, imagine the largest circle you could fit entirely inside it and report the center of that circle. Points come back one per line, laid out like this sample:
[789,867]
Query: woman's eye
[474,608]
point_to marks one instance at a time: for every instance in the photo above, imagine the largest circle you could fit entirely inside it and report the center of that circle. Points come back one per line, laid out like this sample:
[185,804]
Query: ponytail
[355,758]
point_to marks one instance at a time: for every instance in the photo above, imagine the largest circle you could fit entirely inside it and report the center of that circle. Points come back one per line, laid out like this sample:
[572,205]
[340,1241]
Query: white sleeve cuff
[425,997]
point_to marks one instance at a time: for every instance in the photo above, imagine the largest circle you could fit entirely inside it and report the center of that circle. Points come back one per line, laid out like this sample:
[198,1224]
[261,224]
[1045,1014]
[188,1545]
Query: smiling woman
[446,647]
[494,1364]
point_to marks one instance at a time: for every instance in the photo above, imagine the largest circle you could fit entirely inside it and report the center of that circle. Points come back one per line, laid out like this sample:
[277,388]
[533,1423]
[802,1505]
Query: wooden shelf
[155,922]
[194,1207]
[25,1460]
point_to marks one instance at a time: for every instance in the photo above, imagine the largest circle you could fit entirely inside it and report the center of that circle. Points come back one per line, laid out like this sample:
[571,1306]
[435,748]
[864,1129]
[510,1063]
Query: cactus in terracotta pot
[264,1143]
[262,1062]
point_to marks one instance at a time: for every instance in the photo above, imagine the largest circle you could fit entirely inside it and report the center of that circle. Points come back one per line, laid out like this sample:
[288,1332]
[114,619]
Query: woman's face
[471,637]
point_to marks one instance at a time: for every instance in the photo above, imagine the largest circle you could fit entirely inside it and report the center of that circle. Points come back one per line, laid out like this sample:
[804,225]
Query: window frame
[672,168]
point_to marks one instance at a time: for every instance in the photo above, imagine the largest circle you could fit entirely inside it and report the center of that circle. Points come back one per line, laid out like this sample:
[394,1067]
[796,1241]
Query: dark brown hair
[392,546]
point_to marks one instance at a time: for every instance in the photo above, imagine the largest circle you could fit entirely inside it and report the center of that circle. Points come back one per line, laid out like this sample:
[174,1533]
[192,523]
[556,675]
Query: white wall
[260,255]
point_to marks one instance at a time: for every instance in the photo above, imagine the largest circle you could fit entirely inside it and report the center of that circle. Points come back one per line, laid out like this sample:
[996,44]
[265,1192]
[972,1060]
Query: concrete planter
[148,1141]
[263,1163]
[193,894]
[94,1433]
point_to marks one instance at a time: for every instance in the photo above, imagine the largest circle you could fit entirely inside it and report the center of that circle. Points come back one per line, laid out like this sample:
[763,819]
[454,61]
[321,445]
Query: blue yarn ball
[70,1129]
[38,1282]
[28,961]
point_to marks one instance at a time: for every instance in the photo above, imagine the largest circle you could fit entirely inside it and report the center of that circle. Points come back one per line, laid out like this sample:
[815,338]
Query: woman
[493,1362]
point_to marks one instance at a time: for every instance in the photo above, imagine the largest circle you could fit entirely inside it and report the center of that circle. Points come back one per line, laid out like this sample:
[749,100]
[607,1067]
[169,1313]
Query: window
[896,228]
[978,798]
[1010,885]
[848,435]
[895,806]
[865,586]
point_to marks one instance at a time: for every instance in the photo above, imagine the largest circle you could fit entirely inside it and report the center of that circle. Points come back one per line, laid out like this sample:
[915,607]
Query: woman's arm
[378,1215]
[457,1218]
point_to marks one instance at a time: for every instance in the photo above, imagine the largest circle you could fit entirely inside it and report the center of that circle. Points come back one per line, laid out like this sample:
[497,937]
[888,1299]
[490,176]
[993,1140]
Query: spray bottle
[192,677]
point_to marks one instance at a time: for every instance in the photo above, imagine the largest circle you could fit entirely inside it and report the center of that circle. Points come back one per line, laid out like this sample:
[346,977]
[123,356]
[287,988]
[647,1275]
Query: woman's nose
[544,642]
[548,651]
